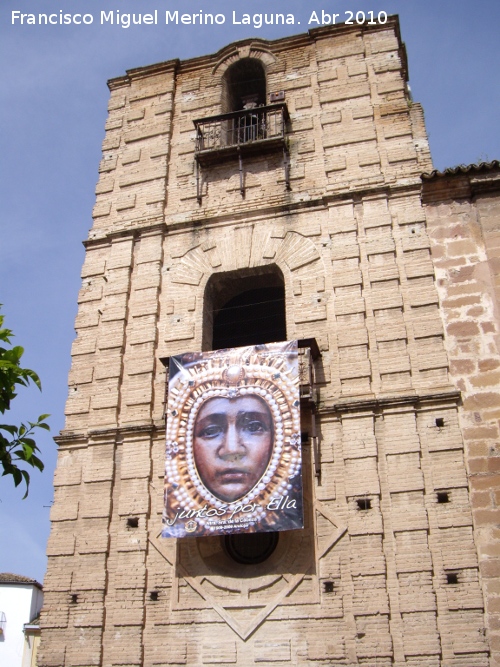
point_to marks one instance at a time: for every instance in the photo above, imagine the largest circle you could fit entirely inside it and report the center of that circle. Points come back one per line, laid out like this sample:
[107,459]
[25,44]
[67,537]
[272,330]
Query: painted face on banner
[232,445]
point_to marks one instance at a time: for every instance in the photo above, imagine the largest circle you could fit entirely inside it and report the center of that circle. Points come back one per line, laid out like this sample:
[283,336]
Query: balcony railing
[240,133]
[248,129]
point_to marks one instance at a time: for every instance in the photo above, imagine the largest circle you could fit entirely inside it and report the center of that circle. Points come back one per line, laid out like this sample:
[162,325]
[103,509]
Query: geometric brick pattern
[386,570]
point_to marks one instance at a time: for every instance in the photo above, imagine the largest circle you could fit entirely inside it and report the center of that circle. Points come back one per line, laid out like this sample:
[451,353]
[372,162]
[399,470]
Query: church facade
[271,192]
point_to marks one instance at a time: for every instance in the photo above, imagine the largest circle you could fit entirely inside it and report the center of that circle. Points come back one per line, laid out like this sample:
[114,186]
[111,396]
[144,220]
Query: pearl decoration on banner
[273,381]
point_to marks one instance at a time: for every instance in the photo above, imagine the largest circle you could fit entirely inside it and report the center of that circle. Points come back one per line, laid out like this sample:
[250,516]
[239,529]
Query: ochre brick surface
[399,555]
[463,212]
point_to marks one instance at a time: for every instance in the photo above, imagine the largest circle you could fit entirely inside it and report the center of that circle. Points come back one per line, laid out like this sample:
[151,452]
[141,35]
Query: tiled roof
[461,169]
[10,578]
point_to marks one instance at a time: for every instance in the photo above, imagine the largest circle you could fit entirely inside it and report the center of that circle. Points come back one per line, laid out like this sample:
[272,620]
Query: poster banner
[233,450]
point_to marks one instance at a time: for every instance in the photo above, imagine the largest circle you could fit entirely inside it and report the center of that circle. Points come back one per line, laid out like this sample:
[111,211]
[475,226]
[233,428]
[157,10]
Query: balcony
[250,130]
[239,134]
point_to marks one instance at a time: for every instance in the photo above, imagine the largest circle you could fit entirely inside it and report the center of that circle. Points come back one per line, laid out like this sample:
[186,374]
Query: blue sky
[52,116]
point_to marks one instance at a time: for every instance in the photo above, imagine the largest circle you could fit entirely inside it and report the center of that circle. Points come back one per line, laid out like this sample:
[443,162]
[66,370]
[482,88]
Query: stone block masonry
[397,563]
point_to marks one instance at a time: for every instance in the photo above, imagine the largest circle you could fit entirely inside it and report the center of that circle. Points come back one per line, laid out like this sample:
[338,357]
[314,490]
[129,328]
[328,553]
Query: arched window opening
[244,309]
[244,85]
[247,125]
[254,316]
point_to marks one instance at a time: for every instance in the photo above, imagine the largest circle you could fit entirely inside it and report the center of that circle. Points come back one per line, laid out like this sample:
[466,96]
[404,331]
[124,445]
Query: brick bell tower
[268,192]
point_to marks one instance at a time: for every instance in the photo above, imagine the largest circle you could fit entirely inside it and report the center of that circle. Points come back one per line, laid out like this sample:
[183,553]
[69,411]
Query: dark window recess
[328,586]
[443,497]
[251,548]
[253,317]
[304,438]
[451,578]
[246,84]
[74,598]
[439,422]
[133,522]
[153,596]
[364,503]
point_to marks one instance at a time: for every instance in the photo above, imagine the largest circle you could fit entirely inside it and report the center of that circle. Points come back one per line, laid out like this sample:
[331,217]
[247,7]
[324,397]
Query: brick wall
[463,212]
[386,569]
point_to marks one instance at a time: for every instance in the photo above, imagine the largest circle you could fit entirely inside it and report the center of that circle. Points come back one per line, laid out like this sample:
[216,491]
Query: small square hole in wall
[364,504]
[451,578]
[153,596]
[439,422]
[328,586]
[74,598]
[443,497]
[133,522]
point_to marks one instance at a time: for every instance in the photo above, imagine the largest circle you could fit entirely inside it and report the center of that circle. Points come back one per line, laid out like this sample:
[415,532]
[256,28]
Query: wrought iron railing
[239,128]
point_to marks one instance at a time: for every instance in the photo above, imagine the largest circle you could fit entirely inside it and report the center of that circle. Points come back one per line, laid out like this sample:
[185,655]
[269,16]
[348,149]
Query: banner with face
[233,451]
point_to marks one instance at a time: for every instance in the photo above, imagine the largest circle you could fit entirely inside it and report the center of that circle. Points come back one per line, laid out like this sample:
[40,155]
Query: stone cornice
[72,439]
[282,44]
[168,66]
[378,404]
[293,41]
[284,209]
[155,225]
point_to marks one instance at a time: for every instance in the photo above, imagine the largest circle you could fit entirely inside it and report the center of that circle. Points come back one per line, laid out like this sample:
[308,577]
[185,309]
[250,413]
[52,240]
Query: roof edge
[18,579]
[280,43]
[461,170]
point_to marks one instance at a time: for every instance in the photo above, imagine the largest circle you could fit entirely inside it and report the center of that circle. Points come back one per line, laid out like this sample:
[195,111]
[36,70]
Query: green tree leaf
[17,444]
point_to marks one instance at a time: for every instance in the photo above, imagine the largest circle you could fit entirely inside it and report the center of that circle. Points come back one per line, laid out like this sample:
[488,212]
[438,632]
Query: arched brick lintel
[251,50]
[248,248]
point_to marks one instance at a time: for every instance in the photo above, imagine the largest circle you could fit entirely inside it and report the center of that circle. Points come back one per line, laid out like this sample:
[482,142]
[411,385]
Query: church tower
[269,192]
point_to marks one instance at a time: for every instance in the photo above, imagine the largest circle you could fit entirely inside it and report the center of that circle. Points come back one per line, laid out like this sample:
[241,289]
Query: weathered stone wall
[395,583]
[351,123]
[463,213]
